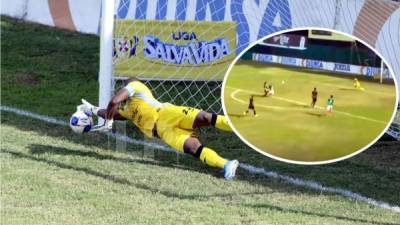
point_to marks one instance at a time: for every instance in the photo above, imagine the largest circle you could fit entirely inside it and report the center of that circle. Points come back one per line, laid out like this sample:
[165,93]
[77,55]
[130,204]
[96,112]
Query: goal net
[181,48]
[183,62]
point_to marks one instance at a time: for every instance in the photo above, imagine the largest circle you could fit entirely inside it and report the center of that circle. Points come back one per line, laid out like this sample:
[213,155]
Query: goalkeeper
[173,124]
[357,84]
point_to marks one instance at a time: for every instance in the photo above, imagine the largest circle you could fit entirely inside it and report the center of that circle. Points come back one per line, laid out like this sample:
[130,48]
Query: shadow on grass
[188,163]
[316,114]
[41,149]
[349,89]
[35,149]
[113,178]
[236,115]
[343,218]
[300,106]
[63,132]
[363,178]
[260,96]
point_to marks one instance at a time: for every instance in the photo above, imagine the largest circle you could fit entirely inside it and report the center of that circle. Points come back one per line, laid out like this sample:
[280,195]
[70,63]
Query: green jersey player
[329,107]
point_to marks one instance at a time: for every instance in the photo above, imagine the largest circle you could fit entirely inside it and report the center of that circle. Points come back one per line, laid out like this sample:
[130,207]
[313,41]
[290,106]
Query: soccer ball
[81,122]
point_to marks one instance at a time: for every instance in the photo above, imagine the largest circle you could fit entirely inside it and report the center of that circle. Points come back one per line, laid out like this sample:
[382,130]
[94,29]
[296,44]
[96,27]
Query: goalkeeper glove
[107,126]
[87,107]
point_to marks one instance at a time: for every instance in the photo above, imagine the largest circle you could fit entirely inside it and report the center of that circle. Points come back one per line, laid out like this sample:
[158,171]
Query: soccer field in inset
[289,128]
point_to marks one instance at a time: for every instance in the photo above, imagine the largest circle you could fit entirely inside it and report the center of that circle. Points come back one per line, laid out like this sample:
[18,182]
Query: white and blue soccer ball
[81,122]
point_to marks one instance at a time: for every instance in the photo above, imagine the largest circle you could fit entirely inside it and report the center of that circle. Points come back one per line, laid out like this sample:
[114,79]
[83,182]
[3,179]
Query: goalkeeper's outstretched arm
[111,113]
[112,108]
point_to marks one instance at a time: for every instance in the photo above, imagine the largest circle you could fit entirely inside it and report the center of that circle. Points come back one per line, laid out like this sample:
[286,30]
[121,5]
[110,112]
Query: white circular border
[303,162]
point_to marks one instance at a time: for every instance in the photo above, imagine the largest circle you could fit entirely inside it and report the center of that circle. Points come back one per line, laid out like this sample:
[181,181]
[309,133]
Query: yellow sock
[222,124]
[211,158]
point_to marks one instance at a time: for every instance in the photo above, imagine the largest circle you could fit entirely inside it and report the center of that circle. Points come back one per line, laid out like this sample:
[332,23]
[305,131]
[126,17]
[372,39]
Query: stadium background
[325,50]
[327,53]
[375,22]
[59,172]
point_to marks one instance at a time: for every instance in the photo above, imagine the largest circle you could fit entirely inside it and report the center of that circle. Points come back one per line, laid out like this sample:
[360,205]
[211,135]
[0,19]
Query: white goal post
[106,48]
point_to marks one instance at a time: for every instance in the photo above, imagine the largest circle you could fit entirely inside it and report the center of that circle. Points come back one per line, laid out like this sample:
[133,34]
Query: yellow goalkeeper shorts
[175,125]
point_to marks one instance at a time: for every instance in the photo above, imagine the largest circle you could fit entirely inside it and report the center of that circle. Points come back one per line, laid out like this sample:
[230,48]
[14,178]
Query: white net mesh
[183,62]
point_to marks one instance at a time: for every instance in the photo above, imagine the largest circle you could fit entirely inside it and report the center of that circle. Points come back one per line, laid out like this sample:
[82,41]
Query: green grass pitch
[50,175]
[289,128]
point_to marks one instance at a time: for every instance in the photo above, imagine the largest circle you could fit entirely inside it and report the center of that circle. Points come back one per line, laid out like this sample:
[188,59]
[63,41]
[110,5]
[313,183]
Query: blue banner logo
[289,61]
[341,67]
[194,53]
[314,64]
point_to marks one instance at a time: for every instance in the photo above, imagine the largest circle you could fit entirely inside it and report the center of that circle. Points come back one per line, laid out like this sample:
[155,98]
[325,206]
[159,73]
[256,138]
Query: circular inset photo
[310,96]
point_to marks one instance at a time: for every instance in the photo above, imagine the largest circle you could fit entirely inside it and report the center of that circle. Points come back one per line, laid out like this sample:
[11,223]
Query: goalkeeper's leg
[211,119]
[209,157]
[185,141]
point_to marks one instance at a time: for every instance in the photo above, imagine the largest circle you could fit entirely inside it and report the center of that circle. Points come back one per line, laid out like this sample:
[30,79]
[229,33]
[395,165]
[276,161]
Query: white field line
[52,120]
[320,188]
[297,103]
[233,96]
[313,185]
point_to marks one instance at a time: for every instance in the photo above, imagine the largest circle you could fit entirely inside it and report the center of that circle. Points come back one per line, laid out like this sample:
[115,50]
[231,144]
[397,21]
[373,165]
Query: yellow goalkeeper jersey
[357,84]
[141,107]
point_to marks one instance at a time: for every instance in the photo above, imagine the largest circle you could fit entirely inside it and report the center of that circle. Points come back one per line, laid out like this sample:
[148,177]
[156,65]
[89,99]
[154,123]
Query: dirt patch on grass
[28,79]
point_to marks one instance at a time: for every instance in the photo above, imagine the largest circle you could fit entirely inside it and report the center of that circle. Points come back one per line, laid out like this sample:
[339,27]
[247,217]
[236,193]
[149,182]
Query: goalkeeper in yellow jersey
[173,124]
[357,84]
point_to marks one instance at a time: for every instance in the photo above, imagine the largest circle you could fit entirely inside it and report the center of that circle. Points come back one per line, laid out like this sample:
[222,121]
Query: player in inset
[314,96]
[173,124]
[251,106]
[265,88]
[269,91]
[357,84]
[329,107]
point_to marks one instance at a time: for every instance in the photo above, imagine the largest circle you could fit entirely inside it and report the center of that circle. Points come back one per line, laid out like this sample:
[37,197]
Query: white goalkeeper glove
[87,107]
[107,126]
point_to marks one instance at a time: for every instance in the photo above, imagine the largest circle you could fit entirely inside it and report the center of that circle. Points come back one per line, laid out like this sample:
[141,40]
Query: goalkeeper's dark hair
[127,81]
